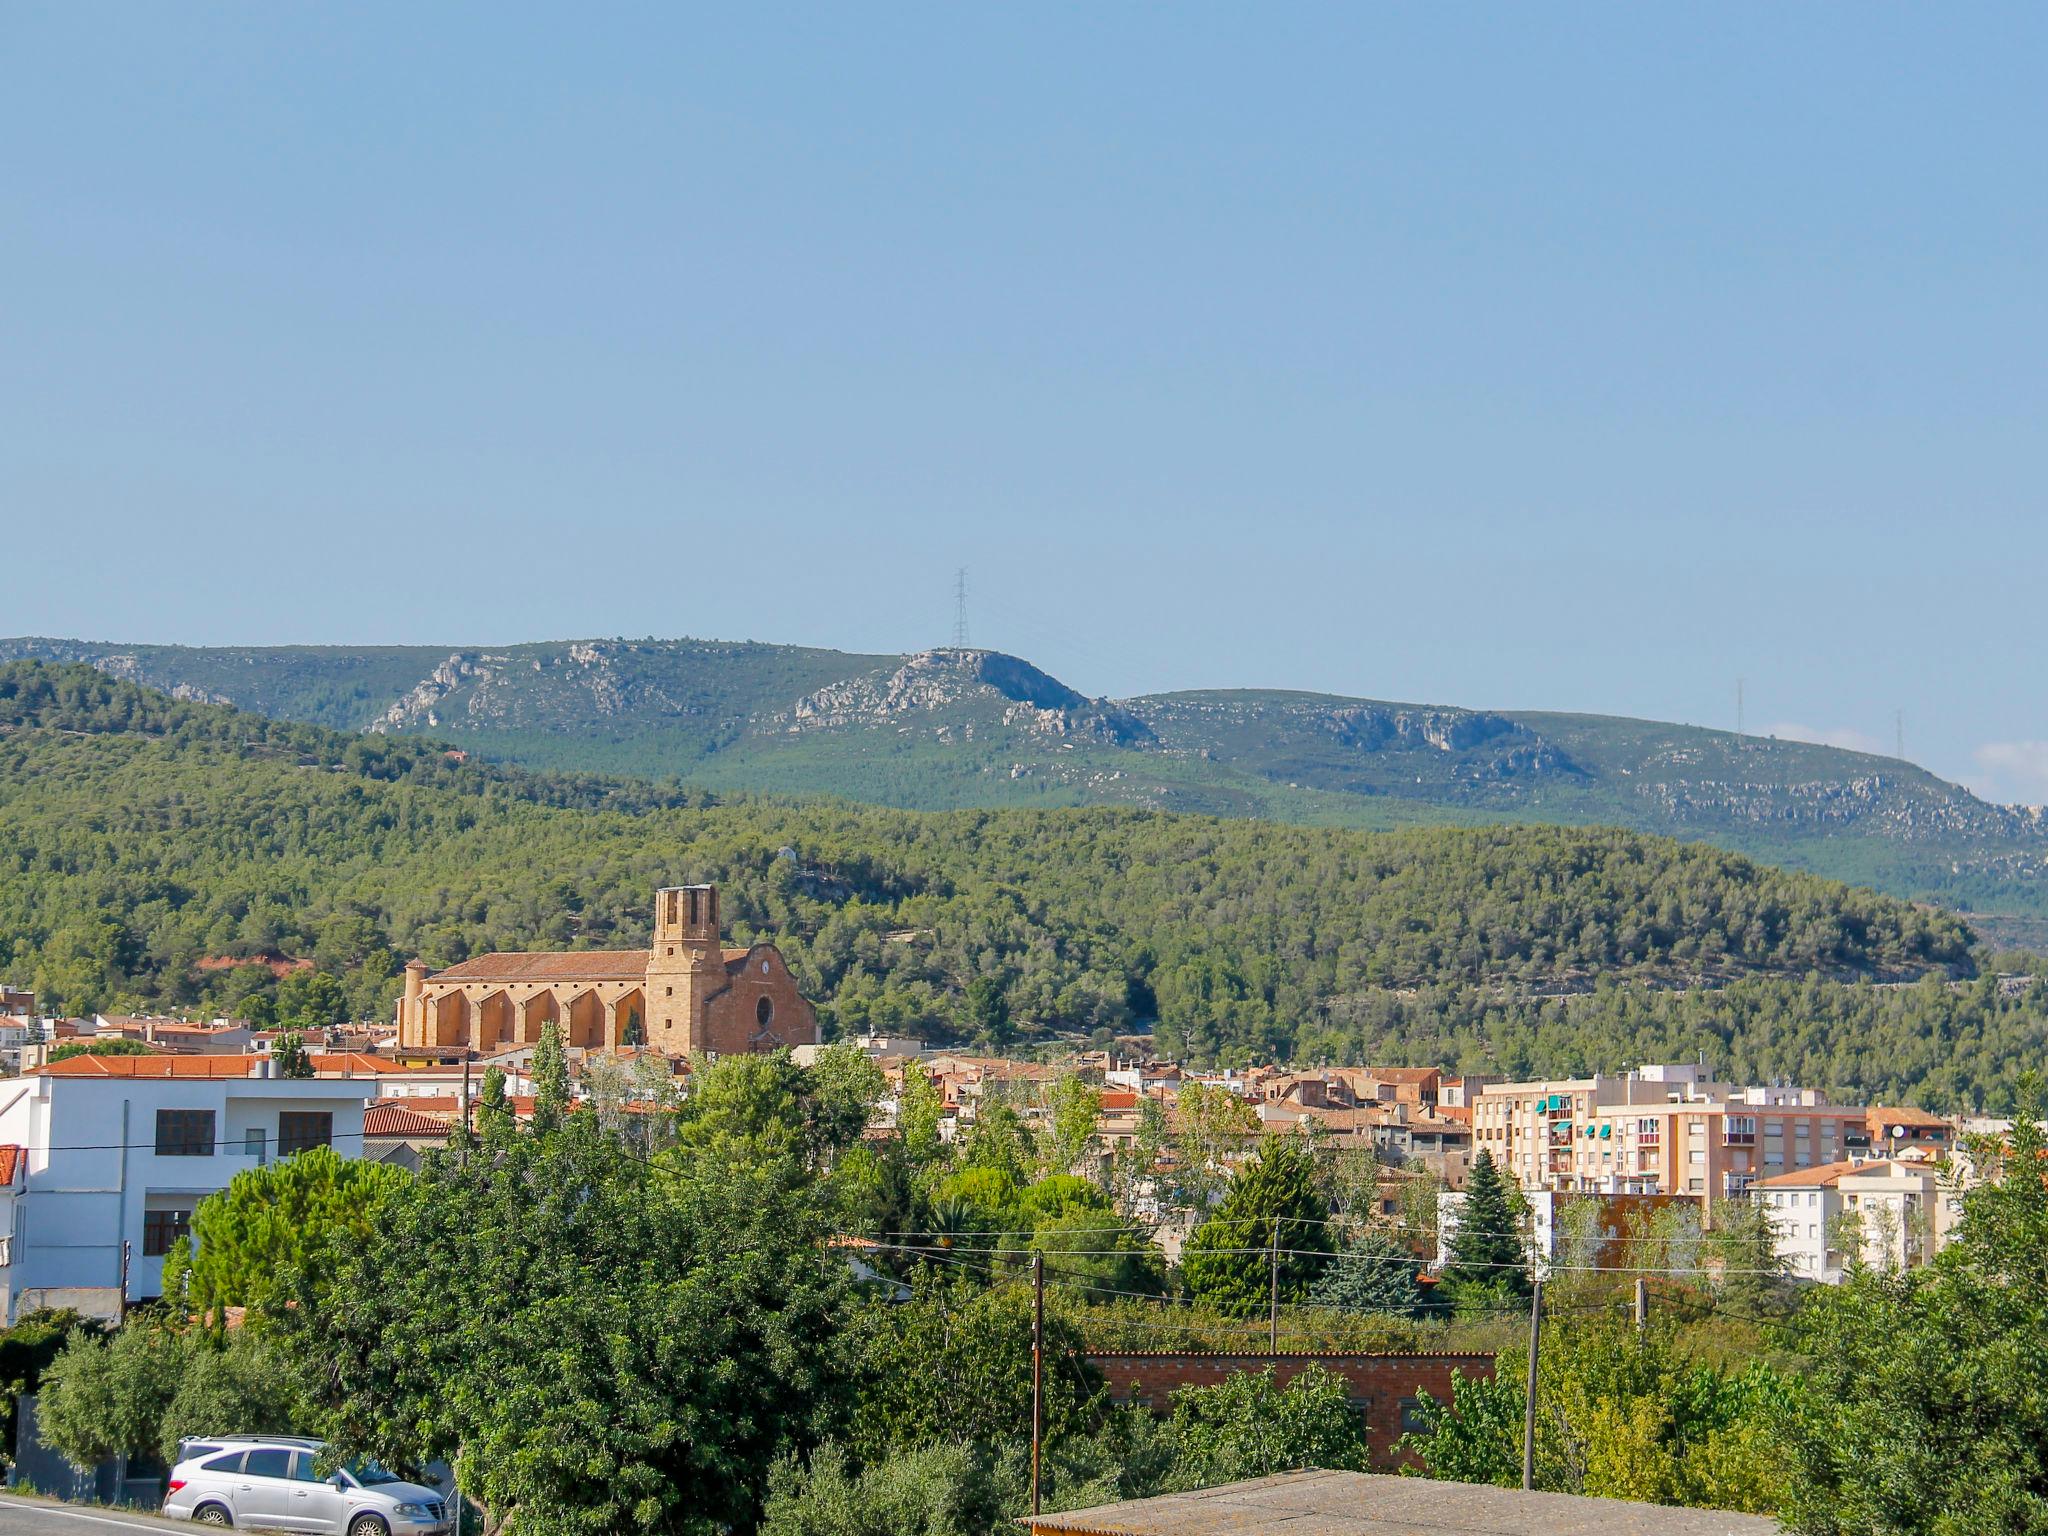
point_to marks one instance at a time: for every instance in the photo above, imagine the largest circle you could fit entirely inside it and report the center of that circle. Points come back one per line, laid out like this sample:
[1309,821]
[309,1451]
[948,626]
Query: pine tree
[550,1072]
[1373,1273]
[1486,1250]
[288,1055]
[1227,1262]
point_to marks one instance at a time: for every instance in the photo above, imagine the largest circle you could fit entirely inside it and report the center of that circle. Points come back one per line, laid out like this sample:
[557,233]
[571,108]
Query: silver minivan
[270,1482]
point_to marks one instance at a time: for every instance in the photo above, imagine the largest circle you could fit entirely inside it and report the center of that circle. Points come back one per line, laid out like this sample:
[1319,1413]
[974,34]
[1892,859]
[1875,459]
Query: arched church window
[764,1012]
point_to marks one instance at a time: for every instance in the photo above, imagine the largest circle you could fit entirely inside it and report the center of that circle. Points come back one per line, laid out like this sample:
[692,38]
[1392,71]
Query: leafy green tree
[311,1000]
[920,1112]
[1074,1107]
[550,1073]
[1226,1263]
[596,1341]
[1924,1414]
[988,1012]
[288,1055]
[494,1118]
[1248,1426]
[278,1229]
[1487,1254]
[1212,1126]
[1374,1272]
[1477,1436]
[939,1490]
[954,1363]
[137,1391]
[116,1045]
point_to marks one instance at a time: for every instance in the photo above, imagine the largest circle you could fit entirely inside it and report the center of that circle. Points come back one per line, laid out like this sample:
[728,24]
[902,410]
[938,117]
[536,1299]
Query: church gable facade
[686,993]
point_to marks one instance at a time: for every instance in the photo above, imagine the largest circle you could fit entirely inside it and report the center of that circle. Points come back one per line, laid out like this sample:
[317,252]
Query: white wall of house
[93,1174]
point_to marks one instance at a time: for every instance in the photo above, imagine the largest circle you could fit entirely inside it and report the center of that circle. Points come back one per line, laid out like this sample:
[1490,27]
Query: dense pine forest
[160,853]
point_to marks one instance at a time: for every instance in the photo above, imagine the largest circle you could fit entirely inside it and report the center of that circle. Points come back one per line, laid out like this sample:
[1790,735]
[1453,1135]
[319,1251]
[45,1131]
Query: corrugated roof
[1369,1504]
[533,965]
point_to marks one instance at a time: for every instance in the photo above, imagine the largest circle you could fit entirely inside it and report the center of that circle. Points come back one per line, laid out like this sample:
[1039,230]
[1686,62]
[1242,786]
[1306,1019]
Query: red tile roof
[569,965]
[1808,1178]
[394,1118]
[11,1163]
[146,1066]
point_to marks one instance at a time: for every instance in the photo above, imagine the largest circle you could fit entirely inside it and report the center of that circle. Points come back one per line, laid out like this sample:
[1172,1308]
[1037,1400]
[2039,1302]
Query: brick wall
[1381,1385]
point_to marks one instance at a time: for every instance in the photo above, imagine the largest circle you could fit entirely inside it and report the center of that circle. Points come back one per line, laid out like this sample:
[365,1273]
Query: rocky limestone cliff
[945,680]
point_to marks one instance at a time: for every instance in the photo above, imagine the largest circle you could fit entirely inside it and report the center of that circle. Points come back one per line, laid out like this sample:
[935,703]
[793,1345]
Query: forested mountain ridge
[141,835]
[963,728]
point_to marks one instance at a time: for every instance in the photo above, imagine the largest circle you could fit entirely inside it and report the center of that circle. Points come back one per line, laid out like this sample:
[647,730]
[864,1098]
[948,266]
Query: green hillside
[954,729]
[141,836]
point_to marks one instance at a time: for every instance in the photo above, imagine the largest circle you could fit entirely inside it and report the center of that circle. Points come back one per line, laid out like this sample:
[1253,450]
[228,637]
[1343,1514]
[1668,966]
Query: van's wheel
[212,1514]
[368,1525]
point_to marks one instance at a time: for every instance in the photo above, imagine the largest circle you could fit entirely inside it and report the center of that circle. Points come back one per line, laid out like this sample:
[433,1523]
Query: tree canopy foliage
[140,836]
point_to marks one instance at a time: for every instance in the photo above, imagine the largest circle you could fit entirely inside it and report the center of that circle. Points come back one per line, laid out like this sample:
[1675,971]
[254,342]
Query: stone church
[685,994]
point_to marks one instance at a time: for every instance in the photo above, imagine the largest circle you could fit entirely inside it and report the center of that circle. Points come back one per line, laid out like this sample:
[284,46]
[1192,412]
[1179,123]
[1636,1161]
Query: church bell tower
[685,965]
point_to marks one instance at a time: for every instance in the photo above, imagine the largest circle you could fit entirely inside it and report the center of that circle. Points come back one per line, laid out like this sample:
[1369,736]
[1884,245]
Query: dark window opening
[162,1229]
[184,1133]
[299,1129]
[764,1012]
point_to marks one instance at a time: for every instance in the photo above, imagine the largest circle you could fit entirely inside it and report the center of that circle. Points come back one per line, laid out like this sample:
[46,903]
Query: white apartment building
[112,1153]
[1890,1213]
[1659,1130]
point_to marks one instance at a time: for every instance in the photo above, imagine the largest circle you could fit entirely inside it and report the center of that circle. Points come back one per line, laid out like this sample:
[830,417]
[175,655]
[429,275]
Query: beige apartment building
[1659,1130]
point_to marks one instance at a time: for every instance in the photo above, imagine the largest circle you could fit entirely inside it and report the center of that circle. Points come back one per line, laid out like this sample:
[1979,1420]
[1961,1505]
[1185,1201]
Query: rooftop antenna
[960,609]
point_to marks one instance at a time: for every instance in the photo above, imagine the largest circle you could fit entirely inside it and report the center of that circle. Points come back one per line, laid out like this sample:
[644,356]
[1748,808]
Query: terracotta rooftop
[535,965]
[146,1066]
[565,965]
[1912,1119]
[10,1163]
[394,1118]
[1808,1178]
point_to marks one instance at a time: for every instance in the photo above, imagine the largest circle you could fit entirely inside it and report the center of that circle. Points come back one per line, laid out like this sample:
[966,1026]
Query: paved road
[20,1517]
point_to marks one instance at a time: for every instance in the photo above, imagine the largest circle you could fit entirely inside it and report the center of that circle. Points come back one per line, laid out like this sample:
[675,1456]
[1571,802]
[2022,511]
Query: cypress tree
[1486,1250]
[1226,1263]
[550,1080]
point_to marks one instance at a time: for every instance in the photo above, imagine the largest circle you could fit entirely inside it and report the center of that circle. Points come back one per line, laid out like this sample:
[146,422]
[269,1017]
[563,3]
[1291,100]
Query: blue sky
[1566,357]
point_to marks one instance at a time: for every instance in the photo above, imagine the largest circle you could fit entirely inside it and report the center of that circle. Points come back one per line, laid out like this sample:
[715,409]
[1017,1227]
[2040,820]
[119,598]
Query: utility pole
[1037,1368]
[1529,1407]
[1642,1306]
[1273,1254]
[462,1147]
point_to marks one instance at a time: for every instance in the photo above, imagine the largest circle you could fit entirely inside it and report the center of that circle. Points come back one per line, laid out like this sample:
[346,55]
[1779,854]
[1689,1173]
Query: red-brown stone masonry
[1380,1384]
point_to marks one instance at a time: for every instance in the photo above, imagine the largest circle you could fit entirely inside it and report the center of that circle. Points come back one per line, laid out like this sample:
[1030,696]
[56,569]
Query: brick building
[1384,1388]
[683,994]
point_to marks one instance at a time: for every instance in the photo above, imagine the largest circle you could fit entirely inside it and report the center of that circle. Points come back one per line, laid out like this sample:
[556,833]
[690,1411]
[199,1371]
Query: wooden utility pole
[1273,1254]
[1642,1306]
[1529,1406]
[1037,1368]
